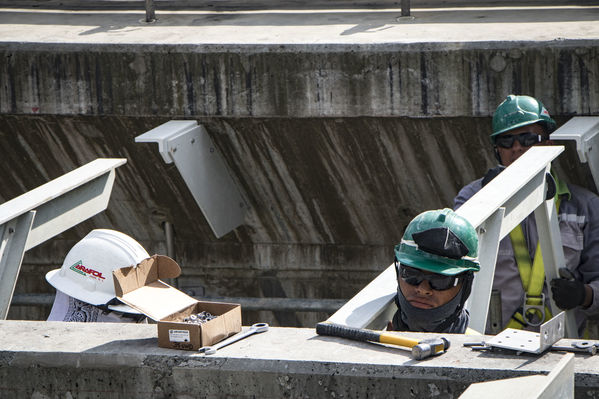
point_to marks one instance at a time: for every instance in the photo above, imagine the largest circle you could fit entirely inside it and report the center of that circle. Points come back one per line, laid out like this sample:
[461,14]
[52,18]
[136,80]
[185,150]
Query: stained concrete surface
[85,360]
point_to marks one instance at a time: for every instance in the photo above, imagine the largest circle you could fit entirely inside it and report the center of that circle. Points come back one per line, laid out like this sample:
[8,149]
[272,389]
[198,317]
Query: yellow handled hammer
[420,349]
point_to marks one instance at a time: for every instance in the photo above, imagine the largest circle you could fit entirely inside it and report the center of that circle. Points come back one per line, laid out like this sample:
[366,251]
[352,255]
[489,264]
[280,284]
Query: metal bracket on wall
[48,210]
[584,130]
[204,171]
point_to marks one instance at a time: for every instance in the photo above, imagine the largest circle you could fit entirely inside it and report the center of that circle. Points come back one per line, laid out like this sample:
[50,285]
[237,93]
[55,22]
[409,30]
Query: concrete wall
[336,80]
[336,146]
[95,360]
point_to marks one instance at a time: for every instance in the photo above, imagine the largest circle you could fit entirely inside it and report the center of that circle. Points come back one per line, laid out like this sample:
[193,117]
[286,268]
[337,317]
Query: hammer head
[429,347]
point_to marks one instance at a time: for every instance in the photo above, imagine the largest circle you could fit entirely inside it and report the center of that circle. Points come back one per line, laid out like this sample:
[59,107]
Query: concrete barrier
[90,360]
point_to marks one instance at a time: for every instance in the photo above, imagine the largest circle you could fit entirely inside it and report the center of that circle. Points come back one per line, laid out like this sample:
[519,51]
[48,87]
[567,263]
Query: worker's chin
[420,304]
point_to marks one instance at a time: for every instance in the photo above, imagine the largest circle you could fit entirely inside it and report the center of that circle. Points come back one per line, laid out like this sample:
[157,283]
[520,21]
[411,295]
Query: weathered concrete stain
[329,197]
[400,81]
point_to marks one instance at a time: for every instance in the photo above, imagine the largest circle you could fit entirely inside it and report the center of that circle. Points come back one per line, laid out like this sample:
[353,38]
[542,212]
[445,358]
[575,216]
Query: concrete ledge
[52,359]
[298,63]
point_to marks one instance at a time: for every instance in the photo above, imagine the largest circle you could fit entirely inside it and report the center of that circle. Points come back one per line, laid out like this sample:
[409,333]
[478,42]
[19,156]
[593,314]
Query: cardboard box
[141,288]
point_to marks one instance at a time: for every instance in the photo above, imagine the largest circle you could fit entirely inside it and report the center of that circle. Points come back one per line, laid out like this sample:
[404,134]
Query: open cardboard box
[141,288]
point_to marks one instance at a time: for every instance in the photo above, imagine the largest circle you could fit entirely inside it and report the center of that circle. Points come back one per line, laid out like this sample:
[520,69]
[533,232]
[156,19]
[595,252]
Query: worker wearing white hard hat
[84,284]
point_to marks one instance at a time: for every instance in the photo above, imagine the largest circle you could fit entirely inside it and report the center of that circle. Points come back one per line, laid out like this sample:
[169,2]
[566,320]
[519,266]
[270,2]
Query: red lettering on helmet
[93,272]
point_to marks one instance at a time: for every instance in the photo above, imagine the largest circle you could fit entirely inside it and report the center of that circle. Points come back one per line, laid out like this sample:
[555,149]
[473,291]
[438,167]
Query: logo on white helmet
[78,267]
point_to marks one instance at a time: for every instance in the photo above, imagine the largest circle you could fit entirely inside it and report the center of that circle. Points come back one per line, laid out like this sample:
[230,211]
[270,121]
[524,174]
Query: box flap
[140,287]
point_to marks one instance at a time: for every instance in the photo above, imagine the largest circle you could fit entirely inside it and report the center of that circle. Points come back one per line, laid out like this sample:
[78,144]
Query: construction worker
[84,284]
[435,262]
[519,123]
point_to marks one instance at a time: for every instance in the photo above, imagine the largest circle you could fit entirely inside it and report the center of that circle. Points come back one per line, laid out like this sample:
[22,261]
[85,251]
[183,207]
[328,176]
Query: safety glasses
[437,282]
[525,139]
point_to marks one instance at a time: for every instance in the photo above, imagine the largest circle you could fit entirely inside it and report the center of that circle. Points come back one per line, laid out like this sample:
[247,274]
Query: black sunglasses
[438,282]
[525,139]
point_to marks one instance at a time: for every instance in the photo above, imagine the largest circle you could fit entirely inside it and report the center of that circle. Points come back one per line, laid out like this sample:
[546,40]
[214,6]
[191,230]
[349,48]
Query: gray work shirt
[579,228]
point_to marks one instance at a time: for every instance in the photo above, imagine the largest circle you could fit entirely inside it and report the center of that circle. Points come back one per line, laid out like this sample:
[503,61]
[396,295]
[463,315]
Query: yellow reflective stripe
[537,278]
[532,276]
[521,255]
[517,321]
[516,324]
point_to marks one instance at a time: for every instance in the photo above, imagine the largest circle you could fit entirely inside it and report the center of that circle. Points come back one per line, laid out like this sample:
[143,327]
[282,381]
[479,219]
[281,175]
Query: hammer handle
[363,334]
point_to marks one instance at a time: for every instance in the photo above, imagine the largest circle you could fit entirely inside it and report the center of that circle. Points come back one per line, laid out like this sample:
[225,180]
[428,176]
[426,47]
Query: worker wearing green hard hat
[519,123]
[435,262]
[519,111]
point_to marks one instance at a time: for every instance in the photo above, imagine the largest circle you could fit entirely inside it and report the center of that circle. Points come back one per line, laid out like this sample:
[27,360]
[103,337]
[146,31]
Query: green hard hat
[517,111]
[439,241]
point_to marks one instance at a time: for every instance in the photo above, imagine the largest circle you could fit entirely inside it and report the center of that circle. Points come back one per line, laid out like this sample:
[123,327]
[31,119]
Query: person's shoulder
[582,196]
[582,201]
[581,192]
[467,192]
[473,185]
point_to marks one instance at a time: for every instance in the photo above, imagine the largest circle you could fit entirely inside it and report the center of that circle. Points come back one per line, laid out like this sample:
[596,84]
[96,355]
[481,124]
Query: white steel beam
[584,130]
[559,383]
[553,255]
[48,210]
[368,304]
[478,303]
[13,236]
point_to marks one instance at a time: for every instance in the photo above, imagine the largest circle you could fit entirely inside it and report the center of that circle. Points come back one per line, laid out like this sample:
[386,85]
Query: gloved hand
[491,174]
[567,294]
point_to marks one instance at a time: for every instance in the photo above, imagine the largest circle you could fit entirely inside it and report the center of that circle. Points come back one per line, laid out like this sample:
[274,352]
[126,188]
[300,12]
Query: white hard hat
[86,273]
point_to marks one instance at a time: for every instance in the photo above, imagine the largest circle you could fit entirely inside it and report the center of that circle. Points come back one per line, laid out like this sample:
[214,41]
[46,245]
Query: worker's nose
[517,147]
[424,288]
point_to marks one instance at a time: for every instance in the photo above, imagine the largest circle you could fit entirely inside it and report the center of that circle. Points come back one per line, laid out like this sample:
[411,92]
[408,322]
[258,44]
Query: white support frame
[584,130]
[204,171]
[559,383]
[494,211]
[50,209]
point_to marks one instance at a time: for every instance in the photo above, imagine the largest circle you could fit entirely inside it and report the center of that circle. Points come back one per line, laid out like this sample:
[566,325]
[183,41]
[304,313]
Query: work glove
[491,174]
[567,292]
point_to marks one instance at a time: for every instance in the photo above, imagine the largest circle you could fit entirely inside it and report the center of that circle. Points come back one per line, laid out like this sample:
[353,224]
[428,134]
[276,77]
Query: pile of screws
[199,318]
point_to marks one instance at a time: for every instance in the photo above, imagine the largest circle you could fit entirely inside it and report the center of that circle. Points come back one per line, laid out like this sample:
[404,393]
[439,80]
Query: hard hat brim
[121,307]
[66,285]
[411,256]
[548,126]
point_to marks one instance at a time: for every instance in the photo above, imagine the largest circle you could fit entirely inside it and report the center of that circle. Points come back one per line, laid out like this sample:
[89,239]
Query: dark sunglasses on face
[525,139]
[438,282]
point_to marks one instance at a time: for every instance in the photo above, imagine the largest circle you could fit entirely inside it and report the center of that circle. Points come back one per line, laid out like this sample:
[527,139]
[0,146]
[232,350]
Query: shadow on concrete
[364,20]
[127,346]
[236,5]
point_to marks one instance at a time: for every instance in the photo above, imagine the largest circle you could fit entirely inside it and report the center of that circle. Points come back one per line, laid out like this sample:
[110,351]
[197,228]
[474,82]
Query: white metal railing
[48,210]
[559,383]
[584,130]
[494,211]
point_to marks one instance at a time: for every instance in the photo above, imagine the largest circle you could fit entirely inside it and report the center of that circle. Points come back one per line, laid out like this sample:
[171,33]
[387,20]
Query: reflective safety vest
[534,311]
